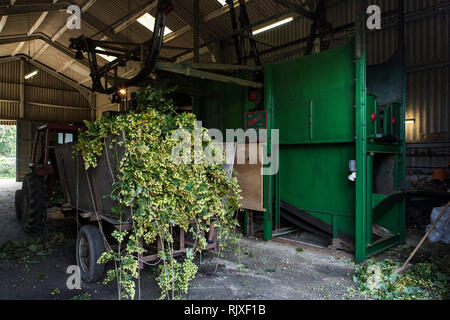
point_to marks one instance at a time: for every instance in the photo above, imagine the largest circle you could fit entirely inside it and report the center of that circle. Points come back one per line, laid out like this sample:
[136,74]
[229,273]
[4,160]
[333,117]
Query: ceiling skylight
[148,21]
[104,56]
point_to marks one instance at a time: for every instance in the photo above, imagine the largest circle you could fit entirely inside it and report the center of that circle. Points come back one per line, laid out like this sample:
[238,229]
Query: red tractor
[38,185]
[51,158]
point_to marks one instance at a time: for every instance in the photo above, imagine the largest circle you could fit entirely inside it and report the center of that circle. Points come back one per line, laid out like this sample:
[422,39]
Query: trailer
[86,198]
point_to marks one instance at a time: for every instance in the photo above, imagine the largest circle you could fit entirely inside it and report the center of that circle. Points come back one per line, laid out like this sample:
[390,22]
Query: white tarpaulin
[441,231]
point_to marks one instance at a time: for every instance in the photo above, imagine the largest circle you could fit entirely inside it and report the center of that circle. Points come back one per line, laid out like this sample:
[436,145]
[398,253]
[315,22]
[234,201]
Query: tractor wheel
[90,247]
[18,200]
[34,203]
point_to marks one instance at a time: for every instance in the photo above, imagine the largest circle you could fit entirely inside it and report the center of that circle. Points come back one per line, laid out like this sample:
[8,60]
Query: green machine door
[327,120]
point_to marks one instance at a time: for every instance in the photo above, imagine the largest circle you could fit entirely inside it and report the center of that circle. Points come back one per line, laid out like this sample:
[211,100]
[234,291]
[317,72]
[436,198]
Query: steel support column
[22,90]
[318,16]
[361,137]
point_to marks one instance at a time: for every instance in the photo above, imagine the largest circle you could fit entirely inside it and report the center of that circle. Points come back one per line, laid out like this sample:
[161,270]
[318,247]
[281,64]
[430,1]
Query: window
[60,138]
[149,22]
[68,138]
[222,2]
[64,138]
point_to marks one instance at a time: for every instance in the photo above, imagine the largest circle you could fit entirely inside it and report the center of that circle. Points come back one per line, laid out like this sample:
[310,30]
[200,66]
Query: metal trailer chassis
[84,191]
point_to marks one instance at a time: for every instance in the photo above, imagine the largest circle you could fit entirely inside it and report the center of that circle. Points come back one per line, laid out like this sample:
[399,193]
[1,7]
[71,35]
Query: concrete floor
[10,229]
[262,270]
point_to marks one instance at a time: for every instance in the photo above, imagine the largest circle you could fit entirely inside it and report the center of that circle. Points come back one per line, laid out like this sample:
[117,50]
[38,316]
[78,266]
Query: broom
[404,267]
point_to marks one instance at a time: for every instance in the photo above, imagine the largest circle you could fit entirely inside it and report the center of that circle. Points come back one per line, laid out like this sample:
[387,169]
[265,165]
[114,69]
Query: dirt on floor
[252,270]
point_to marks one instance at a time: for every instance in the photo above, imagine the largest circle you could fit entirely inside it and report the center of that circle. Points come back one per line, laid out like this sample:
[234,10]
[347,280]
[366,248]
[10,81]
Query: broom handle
[425,236]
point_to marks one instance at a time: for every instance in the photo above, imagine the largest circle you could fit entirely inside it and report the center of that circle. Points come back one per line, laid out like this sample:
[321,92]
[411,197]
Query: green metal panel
[224,108]
[314,111]
[314,178]
[325,118]
[313,97]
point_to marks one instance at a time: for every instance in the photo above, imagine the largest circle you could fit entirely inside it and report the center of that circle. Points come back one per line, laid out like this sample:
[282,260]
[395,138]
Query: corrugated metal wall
[427,56]
[9,109]
[47,98]
[7,123]
[423,158]
[9,90]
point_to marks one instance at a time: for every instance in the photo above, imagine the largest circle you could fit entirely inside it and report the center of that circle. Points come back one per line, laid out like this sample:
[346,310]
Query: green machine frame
[330,110]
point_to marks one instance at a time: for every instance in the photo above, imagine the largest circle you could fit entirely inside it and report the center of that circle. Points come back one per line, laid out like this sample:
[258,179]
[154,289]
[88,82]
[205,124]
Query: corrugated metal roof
[19,24]
[427,58]
[427,34]
[110,12]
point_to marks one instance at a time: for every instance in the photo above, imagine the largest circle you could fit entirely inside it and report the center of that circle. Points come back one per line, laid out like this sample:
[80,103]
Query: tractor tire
[18,204]
[34,203]
[90,247]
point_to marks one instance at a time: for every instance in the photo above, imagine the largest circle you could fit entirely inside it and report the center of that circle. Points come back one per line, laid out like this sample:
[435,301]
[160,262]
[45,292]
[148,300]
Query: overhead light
[105,56]
[410,121]
[123,91]
[31,74]
[273,25]
[148,21]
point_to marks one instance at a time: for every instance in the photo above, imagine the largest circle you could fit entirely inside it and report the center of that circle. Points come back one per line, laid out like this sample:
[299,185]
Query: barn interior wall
[39,98]
[427,63]
[427,56]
